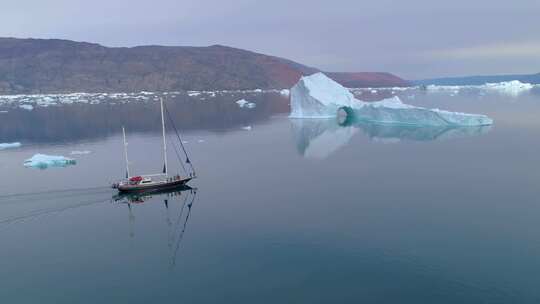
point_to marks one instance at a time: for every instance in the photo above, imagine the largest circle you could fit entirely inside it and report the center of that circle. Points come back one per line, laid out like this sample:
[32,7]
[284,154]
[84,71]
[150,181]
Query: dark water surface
[289,212]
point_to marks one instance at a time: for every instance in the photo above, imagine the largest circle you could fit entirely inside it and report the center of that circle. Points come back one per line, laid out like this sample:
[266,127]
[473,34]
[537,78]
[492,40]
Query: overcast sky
[413,39]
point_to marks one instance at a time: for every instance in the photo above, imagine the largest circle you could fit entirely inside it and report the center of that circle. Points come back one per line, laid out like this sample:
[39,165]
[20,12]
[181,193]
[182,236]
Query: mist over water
[286,210]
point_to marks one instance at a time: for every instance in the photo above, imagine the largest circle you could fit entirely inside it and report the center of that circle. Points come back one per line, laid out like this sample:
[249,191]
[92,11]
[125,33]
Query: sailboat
[159,181]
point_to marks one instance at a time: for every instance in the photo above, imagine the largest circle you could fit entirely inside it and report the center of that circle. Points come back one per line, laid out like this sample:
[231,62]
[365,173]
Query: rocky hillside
[61,66]
[368,79]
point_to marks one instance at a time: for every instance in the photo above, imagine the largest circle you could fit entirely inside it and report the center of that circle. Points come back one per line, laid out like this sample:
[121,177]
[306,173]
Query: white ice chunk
[43,161]
[285,92]
[26,107]
[9,145]
[242,103]
[513,88]
[247,128]
[318,96]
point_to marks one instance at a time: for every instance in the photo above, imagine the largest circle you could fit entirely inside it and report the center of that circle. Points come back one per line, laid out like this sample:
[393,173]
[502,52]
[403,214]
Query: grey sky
[414,39]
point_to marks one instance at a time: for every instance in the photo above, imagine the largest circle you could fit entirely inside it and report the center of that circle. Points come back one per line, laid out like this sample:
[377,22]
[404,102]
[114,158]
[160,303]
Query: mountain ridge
[29,66]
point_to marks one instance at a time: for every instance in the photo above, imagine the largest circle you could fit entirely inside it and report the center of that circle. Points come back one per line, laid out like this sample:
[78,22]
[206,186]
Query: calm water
[288,212]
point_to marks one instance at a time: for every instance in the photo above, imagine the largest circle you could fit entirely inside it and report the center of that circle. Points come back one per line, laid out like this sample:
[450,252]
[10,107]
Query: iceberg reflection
[415,133]
[319,138]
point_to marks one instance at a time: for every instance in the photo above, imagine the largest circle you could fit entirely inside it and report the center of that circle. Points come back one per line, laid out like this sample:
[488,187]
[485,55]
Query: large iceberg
[43,161]
[318,96]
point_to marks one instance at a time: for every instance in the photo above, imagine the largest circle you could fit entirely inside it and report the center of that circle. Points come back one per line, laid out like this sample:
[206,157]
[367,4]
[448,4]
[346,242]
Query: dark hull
[154,187]
[141,197]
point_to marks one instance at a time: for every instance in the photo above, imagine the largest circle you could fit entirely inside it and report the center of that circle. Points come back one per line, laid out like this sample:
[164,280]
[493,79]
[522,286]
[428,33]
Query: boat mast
[164,141]
[126,152]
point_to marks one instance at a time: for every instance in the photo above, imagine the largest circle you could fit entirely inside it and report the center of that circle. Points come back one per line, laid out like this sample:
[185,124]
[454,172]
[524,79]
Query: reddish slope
[55,66]
[368,79]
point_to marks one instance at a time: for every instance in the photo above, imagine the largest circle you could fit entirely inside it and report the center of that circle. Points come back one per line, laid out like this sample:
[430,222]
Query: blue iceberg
[393,111]
[43,161]
[318,96]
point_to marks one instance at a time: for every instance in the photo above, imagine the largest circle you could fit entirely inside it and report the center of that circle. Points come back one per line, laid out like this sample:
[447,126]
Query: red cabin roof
[136,179]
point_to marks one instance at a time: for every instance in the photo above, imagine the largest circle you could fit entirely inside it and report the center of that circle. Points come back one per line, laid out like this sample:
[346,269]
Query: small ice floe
[512,88]
[200,140]
[285,92]
[9,145]
[373,91]
[185,141]
[247,128]
[194,93]
[43,161]
[26,107]
[83,152]
[3,112]
[242,103]
[435,87]
[46,101]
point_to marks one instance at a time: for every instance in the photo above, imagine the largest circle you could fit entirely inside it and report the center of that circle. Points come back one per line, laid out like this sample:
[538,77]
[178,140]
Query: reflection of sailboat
[159,181]
[141,197]
[319,138]
[177,229]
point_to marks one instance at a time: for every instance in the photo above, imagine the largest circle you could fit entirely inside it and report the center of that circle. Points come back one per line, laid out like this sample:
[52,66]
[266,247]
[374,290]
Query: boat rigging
[157,181]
